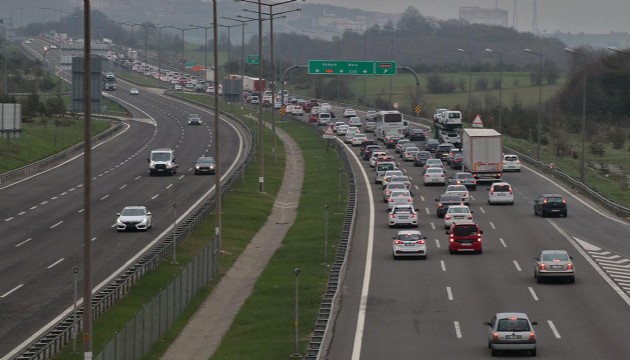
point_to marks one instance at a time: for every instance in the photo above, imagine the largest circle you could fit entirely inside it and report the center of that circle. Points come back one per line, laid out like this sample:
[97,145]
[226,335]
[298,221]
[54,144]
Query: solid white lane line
[553,328]
[531,291]
[458,330]
[55,263]
[443,265]
[11,291]
[57,224]
[449,293]
[502,242]
[518,267]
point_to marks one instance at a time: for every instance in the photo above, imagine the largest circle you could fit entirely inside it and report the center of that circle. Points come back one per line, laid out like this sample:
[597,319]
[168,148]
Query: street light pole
[500,85]
[296,352]
[469,81]
[217,143]
[583,160]
[242,65]
[539,129]
[338,57]
[205,56]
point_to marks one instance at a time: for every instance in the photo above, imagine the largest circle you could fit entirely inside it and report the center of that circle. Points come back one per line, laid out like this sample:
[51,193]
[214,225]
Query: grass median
[244,211]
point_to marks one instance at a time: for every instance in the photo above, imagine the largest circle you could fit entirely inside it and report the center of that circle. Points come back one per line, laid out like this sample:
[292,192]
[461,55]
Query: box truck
[483,154]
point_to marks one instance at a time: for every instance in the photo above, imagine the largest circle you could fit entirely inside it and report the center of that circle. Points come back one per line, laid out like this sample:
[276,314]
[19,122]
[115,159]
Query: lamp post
[183,43]
[364,58]
[160,49]
[469,80]
[583,160]
[228,27]
[242,65]
[273,70]
[391,55]
[296,352]
[145,46]
[500,85]
[339,34]
[538,127]
[205,47]
[132,26]
[217,146]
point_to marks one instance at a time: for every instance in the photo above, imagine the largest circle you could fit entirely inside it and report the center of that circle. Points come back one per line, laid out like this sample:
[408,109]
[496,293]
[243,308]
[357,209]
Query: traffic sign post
[329,133]
[253,59]
[337,67]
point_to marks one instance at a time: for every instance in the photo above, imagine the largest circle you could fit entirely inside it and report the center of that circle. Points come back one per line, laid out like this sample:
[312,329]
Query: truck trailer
[483,154]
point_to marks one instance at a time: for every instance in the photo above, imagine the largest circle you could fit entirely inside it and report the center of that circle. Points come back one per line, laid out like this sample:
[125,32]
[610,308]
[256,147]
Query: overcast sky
[588,16]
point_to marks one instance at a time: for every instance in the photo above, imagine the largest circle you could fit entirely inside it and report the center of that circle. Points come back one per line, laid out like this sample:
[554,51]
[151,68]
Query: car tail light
[420,242]
[391,199]
[563,200]
[541,266]
[440,205]
[570,266]
[545,201]
[510,191]
[491,192]
[442,175]
[495,336]
[408,199]
[392,216]
[532,335]
[469,217]
[398,242]
[413,215]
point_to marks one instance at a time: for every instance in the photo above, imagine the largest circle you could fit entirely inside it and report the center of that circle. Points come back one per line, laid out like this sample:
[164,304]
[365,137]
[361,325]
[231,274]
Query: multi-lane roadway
[41,219]
[435,308]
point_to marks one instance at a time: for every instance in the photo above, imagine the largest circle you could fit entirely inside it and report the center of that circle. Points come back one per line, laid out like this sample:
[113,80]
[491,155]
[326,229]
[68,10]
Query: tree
[551,71]
[412,22]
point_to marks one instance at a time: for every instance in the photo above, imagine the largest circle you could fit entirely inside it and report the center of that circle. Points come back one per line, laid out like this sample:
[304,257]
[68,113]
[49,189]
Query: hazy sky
[588,16]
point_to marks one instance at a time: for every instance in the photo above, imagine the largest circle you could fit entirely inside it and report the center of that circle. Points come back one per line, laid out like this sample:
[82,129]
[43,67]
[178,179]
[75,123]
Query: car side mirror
[534,322]
[447,232]
[148,160]
[393,237]
[472,212]
[437,200]
[481,231]
[488,323]
[149,213]
[117,214]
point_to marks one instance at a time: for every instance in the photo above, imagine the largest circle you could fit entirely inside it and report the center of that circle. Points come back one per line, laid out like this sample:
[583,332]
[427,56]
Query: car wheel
[565,214]
[572,280]
[539,280]
[425,257]
[480,252]
[395,257]
[494,352]
[391,226]
[450,251]
[533,352]
[542,213]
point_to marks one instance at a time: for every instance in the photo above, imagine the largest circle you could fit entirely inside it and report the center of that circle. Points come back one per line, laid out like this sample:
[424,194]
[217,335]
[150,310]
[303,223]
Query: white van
[162,161]
[382,168]
[451,118]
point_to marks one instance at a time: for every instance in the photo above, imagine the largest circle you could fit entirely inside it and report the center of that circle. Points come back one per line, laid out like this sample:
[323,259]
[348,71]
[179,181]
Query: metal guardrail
[59,335]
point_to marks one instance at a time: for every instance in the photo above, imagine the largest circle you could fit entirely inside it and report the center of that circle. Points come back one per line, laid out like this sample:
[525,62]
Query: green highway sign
[338,67]
[335,67]
[384,68]
[253,59]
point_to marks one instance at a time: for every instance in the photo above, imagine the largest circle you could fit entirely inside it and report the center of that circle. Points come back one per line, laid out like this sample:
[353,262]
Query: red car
[313,118]
[465,237]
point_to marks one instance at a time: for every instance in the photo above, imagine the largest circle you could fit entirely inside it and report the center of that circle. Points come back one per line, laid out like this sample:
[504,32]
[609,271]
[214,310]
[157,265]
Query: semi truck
[447,127]
[483,154]
[109,81]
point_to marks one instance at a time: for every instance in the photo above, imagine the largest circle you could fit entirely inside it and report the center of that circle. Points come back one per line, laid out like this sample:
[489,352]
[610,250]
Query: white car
[457,214]
[254,100]
[177,87]
[133,91]
[133,218]
[511,163]
[409,243]
[403,215]
[337,125]
[349,113]
[399,197]
[354,121]
[500,193]
[402,179]
[297,110]
[358,139]
[434,175]
[375,155]
[342,130]
[325,107]
[460,190]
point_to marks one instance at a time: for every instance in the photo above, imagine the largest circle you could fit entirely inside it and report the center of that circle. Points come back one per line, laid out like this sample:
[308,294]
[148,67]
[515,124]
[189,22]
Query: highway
[435,308]
[41,219]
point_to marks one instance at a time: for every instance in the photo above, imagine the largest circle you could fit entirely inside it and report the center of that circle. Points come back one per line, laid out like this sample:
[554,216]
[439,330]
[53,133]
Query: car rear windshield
[513,325]
[465,230]
[385,167]
[465,176]
[554,199]
[502,188]
[555,257]
[511,158]
[409,237]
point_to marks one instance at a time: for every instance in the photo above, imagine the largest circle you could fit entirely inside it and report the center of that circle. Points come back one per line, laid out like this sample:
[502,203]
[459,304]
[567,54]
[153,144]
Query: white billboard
[10,120]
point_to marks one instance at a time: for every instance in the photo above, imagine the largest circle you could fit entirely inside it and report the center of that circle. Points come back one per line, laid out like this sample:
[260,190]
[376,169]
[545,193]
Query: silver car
[511,331]
[389,175]
[554,264]
[133,218]
[403,215]
[460,190]
[409,153]
[409,243]
[392,187]
[399,197]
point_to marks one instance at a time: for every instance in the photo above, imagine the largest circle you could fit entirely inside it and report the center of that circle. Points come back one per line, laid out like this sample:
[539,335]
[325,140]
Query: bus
[109,81]
[388,121]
